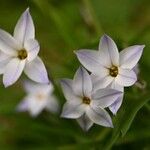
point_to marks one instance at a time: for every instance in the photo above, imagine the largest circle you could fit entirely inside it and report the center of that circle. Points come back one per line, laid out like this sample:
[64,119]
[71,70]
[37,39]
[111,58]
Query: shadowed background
[63,26]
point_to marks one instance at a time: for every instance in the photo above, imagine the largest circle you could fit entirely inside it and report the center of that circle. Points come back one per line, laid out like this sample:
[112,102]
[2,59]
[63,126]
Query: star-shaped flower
[110,68]
[109,65]
[21,51]
[84,104]
[39,97]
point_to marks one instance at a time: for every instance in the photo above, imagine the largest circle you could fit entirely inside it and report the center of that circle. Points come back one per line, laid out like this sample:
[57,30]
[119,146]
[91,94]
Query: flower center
[40,96]
[22,54]
[113,71]
[86,100]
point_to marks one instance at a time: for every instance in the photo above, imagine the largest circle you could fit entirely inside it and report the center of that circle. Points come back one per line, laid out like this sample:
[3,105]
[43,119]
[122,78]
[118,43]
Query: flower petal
[33,88]
[105,97]
[91,61]
[85,122]
[36,71]
[100,83]
[130,56]
[66,85]
[136,69]
[116,105]
[33,47]
[13,71]
[8,44]
[36,106]
[115,85]
[4,60]
[24,29]
[82,84]
[52,104]
[126,77]
[99,116]
[73,111]
[108,51]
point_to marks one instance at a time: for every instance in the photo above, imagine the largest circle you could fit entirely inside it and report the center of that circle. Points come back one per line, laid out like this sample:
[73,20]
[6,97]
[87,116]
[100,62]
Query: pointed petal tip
[85,129]
[6,85]
[75,51]
[110,124]
[63,115]
[105,36]
[142,46]
[27,10]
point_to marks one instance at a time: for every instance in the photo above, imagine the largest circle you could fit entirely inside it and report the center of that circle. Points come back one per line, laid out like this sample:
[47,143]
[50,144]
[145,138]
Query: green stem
[92,15]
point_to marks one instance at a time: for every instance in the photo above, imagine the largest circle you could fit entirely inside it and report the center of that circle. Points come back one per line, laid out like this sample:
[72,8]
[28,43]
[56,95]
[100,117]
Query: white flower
[39,97]
[110,68]
[21,51]
[84,104]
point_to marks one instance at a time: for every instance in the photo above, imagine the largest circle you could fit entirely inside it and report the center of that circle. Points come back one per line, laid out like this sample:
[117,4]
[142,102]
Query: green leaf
[130,115]
[125,118]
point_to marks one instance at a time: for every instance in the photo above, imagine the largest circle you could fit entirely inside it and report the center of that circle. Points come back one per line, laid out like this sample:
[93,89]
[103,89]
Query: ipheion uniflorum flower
[38,97]
[84,103]
[20,53]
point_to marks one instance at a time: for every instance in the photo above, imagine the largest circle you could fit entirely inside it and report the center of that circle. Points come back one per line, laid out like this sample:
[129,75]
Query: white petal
[52,104]
[66,85]
[35,105]
[33,88]
[99,116]
[95,78]
[108,51]
[105,97]
[13,71]
[36,71]
[101,83]
[8,44]
[116,105]
[82,84]
[91,61]
[115,85]
[4,60]
[130,56]
[73,111]
[126,77]
[85,122]
[136,69]
[24,29]
[33,47]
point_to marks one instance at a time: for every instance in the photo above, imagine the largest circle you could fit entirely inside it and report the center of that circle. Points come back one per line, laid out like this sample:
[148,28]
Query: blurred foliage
[61,27]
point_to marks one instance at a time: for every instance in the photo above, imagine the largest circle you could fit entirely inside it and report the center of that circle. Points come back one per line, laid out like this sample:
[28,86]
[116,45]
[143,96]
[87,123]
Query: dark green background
[61,27]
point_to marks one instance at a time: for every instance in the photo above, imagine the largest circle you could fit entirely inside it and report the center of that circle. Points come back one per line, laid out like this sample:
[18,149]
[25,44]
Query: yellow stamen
[22,54]
[86,100]
[113,71]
